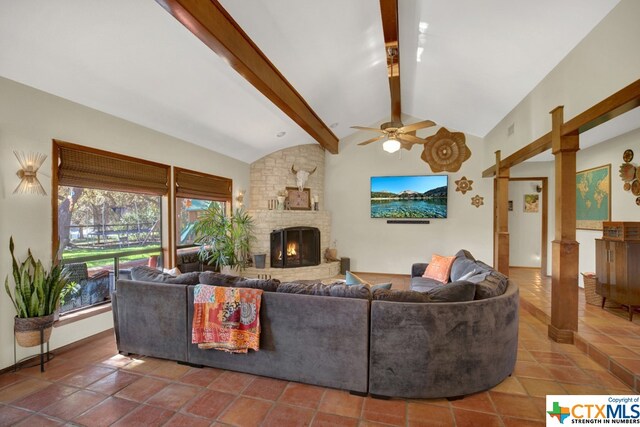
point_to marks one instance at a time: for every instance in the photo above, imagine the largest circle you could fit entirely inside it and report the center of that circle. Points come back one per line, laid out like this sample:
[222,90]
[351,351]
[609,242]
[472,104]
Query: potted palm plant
[35,297]
[224,240]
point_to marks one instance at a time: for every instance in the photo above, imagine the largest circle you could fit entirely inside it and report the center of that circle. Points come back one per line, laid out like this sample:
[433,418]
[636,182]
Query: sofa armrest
[418,269]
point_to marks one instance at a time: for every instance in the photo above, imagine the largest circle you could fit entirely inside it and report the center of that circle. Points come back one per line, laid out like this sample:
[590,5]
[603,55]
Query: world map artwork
[593,197]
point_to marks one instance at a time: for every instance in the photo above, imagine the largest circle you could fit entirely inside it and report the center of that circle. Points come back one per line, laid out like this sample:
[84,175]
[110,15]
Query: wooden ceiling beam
[624,100]
[538,146]
[389,12]
[211,23]
[619,103]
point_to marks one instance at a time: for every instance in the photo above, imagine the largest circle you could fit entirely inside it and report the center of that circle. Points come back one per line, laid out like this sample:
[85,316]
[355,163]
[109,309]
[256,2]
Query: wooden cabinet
[618,272]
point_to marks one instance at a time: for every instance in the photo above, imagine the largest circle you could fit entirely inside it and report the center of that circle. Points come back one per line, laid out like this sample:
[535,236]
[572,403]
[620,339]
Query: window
[101,232]
[195,191]
[108,219]
[187,212]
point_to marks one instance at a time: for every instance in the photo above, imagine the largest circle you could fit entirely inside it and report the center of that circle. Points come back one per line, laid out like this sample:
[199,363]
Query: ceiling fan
[397,135]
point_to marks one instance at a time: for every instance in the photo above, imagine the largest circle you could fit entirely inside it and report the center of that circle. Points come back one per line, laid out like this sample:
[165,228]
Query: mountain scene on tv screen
[409,203]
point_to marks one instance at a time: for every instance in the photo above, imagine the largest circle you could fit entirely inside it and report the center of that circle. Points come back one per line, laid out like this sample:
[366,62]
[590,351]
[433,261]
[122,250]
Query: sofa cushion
[352,279]
[422,284]
[400,296]
[452,292]
[218,279]
[267,285]
[148,274]
[331,290]
[225,280]
[439,268]
[489,284]
[463,253]
[463,266]
[418,268]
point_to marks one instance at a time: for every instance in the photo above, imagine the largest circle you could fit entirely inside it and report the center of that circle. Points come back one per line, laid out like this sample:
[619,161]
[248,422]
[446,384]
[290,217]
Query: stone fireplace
[272,174]
[293,247]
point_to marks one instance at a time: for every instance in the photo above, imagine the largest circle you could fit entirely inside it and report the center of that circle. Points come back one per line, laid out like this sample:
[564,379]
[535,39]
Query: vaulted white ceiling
[131,59]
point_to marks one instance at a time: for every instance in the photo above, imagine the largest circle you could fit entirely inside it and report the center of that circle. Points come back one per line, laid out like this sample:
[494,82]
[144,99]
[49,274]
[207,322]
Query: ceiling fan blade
[416,126]
[369,141]
[411,139]
[371,129]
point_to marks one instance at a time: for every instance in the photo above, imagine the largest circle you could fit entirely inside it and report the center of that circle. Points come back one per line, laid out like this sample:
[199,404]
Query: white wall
[623,203]
[602,63]
[29,120]
[537,169]
[375,246]
[525,228]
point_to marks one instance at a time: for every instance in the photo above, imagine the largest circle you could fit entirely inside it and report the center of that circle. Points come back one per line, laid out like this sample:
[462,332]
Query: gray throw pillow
[491,284]
[332,290]
[269,285]
[463,253]
[218,279]
[148,274]
[191,278]
[462,266]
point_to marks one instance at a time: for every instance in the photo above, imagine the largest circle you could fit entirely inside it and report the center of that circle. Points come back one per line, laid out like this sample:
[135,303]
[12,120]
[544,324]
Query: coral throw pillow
[439,268]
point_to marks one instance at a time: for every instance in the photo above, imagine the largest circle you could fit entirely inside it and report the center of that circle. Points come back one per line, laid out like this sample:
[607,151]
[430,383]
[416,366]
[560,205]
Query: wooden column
[564,275]
[501,237]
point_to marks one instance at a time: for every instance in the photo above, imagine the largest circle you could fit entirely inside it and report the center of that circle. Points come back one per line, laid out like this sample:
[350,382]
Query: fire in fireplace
[295,247]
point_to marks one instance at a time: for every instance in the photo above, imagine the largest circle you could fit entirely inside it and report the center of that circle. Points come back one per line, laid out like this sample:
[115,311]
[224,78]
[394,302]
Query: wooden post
[564,275]
[501,238]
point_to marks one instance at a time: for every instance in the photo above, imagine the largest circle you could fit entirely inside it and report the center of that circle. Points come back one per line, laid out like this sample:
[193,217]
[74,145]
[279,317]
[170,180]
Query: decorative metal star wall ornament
[445,151]
[463,185]
[477,201]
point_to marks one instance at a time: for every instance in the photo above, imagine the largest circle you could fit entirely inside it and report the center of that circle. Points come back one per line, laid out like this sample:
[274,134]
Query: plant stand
[42,352]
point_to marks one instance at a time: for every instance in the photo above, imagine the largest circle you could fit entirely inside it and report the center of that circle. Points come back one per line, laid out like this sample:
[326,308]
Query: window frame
[56,253]
[173,212]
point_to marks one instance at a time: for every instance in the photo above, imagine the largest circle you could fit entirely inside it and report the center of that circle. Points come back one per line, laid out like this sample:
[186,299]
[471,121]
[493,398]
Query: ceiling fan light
[391,145]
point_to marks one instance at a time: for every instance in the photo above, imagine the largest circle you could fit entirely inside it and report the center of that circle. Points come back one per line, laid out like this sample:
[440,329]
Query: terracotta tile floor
[94,386]
[606,335]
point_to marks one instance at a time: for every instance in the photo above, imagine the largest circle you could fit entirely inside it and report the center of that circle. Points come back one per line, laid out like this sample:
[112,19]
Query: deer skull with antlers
[301,176]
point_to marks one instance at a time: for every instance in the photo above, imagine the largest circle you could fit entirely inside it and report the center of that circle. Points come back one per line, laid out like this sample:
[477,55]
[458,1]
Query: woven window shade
[99,170]
[196,185]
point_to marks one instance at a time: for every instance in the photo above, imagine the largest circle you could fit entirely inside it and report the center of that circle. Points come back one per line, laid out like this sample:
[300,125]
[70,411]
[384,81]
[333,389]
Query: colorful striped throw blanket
[226,318]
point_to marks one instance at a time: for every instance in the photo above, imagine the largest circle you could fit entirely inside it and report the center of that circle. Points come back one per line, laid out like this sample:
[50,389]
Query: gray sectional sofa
[321,340]
[435,340]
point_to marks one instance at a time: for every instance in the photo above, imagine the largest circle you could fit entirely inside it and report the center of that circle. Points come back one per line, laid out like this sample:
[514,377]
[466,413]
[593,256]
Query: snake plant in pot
[36,294]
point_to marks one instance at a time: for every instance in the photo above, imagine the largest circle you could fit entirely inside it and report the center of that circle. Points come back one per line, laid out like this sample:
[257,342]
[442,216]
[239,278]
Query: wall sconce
[29,165]
[240,197]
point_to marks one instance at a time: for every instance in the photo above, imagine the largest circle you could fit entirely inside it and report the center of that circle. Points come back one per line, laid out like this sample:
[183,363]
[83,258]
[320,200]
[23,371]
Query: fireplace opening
[295,247]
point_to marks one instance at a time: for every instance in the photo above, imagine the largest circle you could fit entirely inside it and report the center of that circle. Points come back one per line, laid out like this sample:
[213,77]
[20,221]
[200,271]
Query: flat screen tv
[416,196]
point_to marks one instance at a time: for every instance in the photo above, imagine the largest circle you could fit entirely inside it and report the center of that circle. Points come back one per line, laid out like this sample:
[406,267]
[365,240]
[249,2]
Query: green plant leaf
[6,288]
[33,305]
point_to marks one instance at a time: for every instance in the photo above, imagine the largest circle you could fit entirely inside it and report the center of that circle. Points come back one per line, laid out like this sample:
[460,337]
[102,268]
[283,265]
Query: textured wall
[272,173]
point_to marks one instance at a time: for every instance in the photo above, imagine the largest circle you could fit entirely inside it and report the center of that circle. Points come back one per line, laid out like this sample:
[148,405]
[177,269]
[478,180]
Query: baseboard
[67,347]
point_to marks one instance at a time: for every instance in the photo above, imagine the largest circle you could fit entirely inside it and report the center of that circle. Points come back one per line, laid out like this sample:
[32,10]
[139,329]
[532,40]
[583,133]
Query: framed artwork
[531,203]
[299,200]
[593,197]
